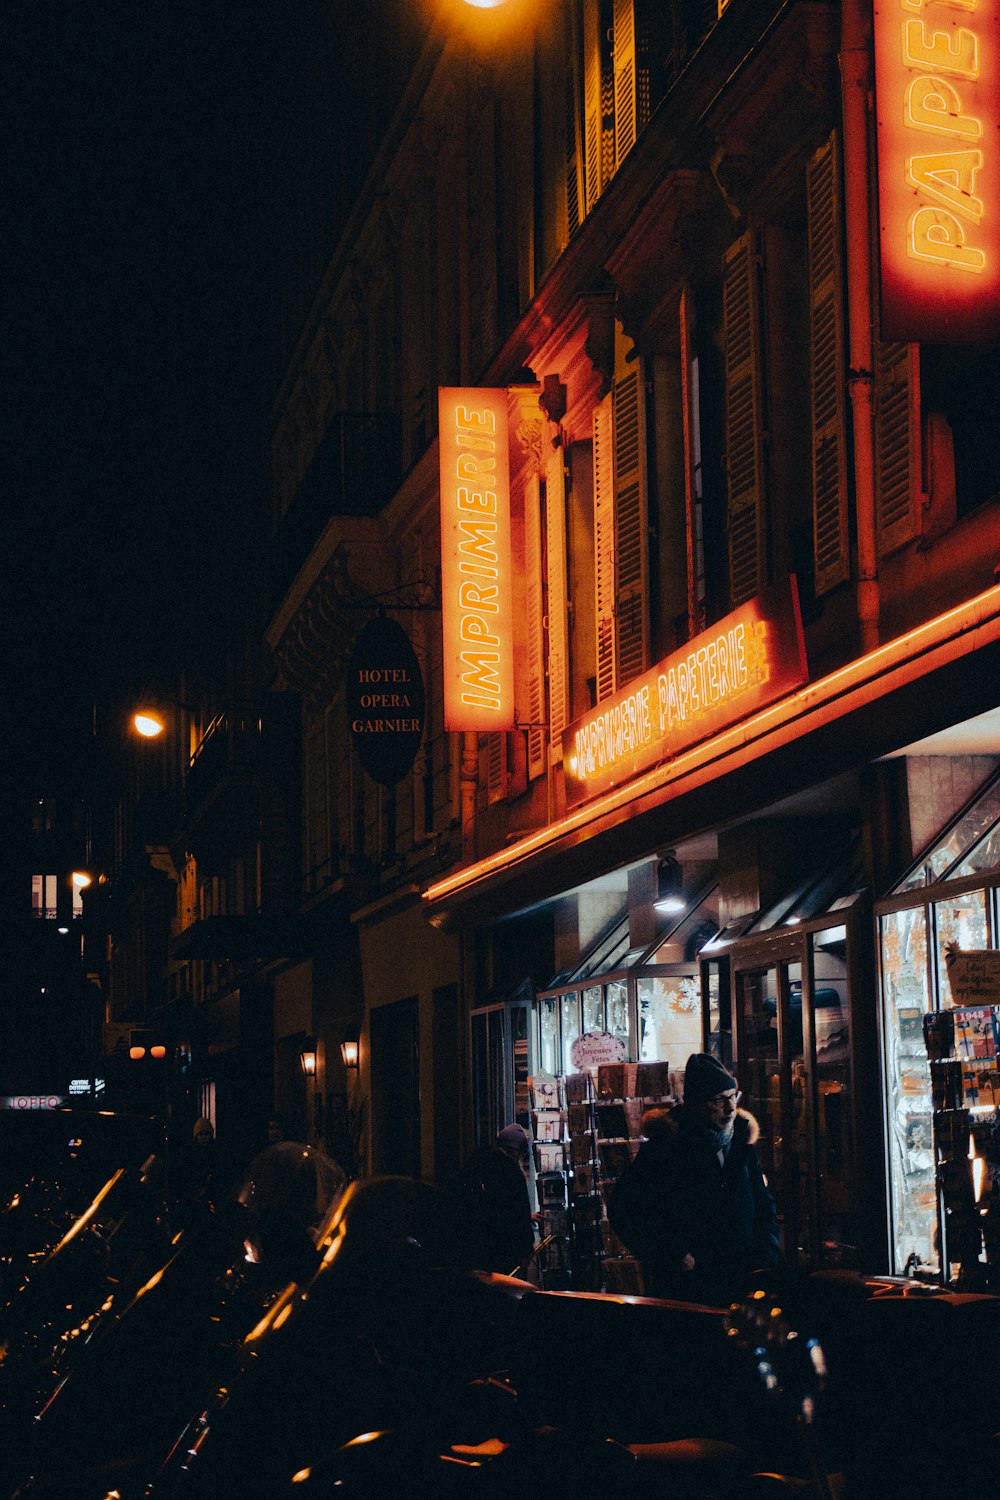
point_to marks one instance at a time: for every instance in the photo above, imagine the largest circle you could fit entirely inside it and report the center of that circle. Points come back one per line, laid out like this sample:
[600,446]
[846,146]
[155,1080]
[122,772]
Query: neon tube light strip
[948,637]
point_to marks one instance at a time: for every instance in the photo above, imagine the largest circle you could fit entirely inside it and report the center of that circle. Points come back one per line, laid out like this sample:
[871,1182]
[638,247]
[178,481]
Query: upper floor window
[43,896]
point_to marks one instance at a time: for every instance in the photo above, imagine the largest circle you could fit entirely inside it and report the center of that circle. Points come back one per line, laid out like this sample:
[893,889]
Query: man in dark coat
[694,1205]
[493,1190]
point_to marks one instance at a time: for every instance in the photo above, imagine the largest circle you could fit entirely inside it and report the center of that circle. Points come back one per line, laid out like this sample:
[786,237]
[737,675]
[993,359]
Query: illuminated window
[43,896]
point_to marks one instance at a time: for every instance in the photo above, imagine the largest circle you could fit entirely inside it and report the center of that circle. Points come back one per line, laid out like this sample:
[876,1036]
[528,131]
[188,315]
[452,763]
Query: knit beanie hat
[514,1140]
[704,1077]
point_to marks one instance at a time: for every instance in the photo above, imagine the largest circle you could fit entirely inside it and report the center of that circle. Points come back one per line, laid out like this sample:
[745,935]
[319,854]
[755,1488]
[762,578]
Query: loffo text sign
[747,660]
[385,701]
[937,88]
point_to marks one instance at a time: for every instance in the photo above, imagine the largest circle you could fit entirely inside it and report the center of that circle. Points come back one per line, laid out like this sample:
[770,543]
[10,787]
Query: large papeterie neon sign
[476,578]
[937,79]
[749,659]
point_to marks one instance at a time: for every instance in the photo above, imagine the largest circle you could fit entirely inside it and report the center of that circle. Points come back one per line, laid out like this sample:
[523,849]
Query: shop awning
[933,676]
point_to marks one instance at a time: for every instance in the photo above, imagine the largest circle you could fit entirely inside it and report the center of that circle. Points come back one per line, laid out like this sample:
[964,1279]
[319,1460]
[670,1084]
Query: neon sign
[749,659]
[477,616]
[937,78]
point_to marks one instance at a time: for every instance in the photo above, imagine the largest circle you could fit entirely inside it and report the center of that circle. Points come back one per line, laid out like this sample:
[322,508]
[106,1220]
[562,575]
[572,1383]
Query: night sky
[137,292]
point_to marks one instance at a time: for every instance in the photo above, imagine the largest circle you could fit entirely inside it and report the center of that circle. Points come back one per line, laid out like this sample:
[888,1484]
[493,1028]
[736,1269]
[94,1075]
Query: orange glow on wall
[937,81]
[752,657]
[476,577]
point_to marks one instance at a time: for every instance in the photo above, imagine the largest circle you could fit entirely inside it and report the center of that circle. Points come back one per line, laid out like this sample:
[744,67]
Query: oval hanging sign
[385,701]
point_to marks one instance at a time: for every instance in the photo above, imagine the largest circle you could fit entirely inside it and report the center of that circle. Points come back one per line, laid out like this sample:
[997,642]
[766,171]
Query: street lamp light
[149,718]
[147,723]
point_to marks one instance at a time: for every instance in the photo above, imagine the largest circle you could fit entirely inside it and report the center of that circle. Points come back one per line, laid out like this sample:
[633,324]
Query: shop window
[550,1052]
[593,1008]
[617,1012]
[977,826]
[669,1017]
[570,1017]
[905,994]
[962,921]
[958,387]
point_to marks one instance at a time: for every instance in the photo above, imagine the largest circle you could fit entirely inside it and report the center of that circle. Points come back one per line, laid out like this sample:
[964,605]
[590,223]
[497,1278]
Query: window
[43,896]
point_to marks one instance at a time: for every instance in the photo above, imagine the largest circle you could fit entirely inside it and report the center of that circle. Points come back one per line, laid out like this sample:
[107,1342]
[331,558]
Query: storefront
[790,960]
[950,897]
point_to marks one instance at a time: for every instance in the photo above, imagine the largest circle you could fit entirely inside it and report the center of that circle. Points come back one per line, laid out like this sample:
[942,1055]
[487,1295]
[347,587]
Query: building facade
[753,530]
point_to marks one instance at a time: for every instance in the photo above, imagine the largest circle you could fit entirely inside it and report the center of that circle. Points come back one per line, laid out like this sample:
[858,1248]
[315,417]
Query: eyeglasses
[733,1098]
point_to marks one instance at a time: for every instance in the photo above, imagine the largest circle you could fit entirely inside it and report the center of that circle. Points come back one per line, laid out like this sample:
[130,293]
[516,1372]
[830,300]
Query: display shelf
[961,1047]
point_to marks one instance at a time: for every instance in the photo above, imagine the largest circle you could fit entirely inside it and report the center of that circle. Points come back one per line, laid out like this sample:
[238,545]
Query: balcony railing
[354,472]
[229,748]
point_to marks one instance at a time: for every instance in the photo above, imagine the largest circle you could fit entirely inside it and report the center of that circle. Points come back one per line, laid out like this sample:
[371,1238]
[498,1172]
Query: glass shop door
[773,1076]
[793,1061]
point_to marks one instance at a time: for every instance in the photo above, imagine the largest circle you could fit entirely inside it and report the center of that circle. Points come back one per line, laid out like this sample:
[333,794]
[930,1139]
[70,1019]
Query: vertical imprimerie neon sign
[476,579]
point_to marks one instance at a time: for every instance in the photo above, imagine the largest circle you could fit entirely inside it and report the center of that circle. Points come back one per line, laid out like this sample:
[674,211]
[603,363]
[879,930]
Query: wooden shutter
[558,598]
[631,528]
[896,405]
[744,422]
[694,566]
[828,370]
[574,143]
[625,80]
[593,102]
[496,767]
[604,551]
[534,708]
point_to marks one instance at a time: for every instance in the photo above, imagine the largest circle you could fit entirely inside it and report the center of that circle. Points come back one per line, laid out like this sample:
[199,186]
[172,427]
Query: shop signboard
[937,89]
[385,700]
[973,975]
[476,576]
[595,1049]
[32,1101]
[750,658]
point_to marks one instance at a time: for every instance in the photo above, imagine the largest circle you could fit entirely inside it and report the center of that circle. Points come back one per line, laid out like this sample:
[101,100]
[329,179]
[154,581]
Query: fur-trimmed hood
[668,1121]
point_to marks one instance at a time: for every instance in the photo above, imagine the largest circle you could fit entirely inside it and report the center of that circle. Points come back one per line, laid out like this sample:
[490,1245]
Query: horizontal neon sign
[476,578]
[937,77]
[752,657]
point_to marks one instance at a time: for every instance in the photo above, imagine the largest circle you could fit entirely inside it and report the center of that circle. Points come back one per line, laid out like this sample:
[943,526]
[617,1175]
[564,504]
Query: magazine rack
[586,1129]
[965,1093]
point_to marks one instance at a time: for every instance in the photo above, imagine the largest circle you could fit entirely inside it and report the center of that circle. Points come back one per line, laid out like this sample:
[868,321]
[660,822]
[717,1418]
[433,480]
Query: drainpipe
[855,71]
[469,785]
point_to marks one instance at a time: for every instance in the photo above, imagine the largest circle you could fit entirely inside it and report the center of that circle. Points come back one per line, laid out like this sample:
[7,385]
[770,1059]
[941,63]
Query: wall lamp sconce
[670,886]
[350,1050]
[307,1056]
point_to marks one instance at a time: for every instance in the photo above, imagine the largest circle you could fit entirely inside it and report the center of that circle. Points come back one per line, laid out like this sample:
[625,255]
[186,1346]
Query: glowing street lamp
[151,719]
[148,723]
